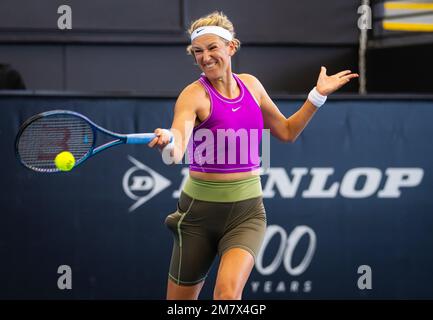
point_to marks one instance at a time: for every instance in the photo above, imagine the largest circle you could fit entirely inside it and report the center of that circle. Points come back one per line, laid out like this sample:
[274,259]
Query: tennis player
[220,211]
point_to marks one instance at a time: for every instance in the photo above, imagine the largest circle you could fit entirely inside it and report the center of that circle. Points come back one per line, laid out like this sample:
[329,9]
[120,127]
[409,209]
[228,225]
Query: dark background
[139,45]
[124,63]
[82,218]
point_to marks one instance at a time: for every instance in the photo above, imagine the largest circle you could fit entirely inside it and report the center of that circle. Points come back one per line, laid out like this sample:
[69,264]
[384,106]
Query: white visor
[219,31]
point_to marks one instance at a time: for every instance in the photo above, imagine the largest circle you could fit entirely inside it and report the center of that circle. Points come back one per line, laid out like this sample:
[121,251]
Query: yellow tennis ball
[64,161]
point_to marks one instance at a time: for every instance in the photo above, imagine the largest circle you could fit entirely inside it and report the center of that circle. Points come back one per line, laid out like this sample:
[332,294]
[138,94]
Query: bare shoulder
[193,96]
[194,89]
[249,79]
[253,84]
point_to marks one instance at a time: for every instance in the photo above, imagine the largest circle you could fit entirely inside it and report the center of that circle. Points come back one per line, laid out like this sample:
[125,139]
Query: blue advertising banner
[349,207]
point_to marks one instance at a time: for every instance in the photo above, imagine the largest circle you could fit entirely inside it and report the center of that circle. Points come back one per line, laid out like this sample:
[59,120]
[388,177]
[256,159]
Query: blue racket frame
[134,138]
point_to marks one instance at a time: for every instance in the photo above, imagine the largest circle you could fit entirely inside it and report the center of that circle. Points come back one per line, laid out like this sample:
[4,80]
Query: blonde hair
[218,19]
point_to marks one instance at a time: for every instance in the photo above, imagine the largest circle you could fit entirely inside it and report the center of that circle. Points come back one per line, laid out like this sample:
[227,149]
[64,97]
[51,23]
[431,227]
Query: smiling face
[213,55]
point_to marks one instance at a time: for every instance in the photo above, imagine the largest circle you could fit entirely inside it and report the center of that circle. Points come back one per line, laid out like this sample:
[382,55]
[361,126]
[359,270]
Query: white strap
[167,151]
[316,98]
[219,31]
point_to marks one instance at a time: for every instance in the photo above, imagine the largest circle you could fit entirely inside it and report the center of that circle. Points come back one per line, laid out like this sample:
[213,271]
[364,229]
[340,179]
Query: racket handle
[139,138]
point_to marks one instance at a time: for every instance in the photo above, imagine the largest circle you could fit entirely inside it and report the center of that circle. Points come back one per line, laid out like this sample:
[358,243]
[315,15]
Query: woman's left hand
[329,84]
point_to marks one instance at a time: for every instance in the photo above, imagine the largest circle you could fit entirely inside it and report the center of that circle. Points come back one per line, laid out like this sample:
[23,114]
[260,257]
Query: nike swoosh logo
[235,109]
[198,31]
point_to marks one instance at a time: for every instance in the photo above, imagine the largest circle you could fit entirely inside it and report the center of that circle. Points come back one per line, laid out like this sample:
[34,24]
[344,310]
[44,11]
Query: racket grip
[139,138]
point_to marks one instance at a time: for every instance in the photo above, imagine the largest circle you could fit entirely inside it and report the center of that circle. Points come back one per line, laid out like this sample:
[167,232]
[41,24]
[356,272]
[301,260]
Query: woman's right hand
[161,140]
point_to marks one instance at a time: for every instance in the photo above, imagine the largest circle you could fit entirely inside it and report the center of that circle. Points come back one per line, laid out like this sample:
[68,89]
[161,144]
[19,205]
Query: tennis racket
[42,137]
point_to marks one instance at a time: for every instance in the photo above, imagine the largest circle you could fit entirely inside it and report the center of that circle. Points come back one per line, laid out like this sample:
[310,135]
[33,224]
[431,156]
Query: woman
[220,210]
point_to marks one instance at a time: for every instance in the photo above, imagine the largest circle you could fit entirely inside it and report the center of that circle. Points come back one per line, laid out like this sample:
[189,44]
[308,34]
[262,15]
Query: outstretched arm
[185,113]
[288,129]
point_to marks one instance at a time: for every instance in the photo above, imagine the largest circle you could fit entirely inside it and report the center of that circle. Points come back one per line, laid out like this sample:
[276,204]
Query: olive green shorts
[202,229]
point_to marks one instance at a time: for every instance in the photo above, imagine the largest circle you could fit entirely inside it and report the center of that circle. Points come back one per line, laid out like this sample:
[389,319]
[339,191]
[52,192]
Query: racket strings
[43,139]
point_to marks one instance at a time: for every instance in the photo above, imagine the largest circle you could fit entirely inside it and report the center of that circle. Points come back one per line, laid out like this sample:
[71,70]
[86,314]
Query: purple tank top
[229,139]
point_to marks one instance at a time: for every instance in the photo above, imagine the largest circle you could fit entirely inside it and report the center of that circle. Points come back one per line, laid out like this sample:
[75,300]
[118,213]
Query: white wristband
[316,98]
[170,145]
[166,152]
